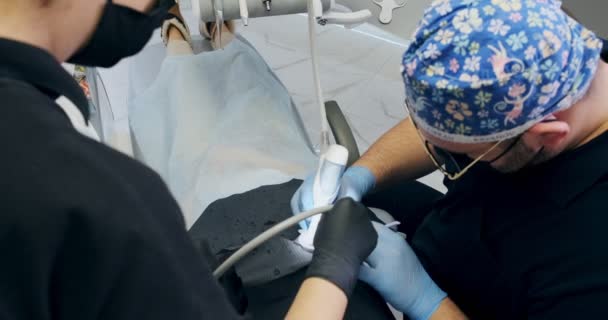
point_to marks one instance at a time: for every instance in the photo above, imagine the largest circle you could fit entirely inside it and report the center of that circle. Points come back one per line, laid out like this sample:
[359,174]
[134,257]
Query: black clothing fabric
[528,245]
[230,281]
[85,231]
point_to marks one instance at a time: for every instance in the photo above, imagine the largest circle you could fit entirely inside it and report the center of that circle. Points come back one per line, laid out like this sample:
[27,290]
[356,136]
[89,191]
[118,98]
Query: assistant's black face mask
[121,32]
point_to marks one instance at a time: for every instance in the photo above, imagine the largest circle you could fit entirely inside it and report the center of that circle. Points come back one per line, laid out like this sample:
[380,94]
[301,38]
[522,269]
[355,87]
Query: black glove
[344,239]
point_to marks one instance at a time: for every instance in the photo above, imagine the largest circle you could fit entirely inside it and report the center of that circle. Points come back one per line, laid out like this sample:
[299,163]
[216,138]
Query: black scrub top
[531,245]
[85,232]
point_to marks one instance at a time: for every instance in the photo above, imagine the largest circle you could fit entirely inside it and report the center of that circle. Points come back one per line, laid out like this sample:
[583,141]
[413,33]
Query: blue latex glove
[396,273]
[355,183]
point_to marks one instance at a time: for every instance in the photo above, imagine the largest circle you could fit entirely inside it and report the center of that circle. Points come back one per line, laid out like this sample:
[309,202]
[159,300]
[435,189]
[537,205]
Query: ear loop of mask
[507,150]
[517,140]
[446,155]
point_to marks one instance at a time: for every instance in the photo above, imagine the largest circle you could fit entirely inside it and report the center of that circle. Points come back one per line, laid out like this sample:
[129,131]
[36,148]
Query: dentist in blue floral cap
[509,100]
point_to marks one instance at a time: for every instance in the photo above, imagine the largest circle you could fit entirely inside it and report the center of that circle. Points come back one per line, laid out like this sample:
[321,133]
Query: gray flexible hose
[271,233]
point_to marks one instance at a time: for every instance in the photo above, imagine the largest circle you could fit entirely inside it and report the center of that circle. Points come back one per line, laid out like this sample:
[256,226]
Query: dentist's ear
[549,133]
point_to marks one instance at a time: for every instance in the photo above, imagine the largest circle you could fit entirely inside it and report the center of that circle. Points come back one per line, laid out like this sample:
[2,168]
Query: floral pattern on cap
[488,70]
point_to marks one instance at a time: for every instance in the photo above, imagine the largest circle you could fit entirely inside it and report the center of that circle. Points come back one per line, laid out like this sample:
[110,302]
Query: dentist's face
[539,144]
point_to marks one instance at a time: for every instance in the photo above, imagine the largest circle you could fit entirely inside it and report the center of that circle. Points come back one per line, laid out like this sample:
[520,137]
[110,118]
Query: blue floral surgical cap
[488,70]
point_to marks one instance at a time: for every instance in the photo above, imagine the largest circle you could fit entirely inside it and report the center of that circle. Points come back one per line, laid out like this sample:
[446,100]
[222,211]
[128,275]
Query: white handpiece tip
[325,188]
[337,154]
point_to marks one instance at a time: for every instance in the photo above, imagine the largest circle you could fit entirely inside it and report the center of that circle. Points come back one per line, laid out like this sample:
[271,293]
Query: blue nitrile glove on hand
[355,183]
[396,273]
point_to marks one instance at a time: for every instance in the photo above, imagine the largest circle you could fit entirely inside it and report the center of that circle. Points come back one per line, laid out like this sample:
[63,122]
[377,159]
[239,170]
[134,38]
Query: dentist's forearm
[397,155]
[448,310]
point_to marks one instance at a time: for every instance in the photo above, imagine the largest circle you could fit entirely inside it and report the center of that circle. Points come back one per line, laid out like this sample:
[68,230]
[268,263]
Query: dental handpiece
[326,186]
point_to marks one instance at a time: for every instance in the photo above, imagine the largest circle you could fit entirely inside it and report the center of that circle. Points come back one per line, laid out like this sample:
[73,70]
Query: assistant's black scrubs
[85,232]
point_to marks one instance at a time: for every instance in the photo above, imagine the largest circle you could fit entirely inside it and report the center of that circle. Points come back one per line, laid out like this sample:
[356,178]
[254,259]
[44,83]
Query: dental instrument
[244,12]
[267,5]
[326,186]
[218,9]
[314,14]
[386,14]
[262,238]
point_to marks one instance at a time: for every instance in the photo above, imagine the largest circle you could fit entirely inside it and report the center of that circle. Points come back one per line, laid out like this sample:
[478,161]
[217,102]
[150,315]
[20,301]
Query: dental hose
[262,238]
[312,23]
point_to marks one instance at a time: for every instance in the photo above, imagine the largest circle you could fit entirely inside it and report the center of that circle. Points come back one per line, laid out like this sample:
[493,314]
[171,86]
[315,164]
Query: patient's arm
[397,155]
[318,299]
[448,310]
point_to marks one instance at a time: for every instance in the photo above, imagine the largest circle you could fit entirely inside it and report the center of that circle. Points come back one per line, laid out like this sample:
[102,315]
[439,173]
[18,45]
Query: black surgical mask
[121,32]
